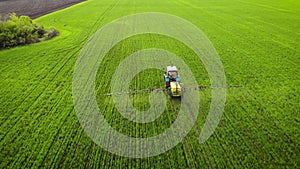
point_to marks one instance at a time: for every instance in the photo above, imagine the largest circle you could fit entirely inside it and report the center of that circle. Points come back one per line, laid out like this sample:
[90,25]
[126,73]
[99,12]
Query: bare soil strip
[34,8]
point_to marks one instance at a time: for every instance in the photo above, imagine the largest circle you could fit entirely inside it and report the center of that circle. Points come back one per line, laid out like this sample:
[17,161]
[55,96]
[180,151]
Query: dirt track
[34,8]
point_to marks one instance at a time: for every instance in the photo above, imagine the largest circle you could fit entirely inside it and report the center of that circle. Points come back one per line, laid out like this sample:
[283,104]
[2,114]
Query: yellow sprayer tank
[175,89]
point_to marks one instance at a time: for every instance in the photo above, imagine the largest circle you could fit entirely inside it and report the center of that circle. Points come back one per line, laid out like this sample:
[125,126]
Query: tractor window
[173,74]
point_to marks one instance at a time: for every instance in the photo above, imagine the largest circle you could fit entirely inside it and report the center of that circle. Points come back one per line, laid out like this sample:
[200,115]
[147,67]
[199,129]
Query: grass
[258,45]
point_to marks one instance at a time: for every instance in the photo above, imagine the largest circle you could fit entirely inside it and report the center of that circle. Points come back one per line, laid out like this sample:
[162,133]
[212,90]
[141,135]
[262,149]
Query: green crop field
[258,44]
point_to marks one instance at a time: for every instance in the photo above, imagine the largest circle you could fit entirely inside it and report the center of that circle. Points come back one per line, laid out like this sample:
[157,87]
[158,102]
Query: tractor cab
[171,75]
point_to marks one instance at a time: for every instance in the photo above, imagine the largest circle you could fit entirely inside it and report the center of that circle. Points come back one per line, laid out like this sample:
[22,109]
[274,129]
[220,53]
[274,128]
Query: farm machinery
[173,86]
[172,82]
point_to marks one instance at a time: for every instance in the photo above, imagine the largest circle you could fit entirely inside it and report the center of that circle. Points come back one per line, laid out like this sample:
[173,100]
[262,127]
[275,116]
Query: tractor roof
[171,68]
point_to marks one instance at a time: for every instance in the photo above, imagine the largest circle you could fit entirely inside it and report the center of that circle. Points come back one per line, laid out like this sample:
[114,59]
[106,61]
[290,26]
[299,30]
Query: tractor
[172,82]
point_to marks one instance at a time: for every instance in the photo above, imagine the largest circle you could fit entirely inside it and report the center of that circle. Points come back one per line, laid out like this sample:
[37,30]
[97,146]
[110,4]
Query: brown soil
[34,8]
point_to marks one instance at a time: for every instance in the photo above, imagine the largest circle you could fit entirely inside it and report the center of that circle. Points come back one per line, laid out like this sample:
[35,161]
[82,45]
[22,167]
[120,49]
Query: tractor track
[54,67]
[245,26]
[39,95]
[44,78]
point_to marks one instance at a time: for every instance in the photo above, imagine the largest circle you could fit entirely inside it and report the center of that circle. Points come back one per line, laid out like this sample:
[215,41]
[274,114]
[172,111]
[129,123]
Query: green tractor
[172,82]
